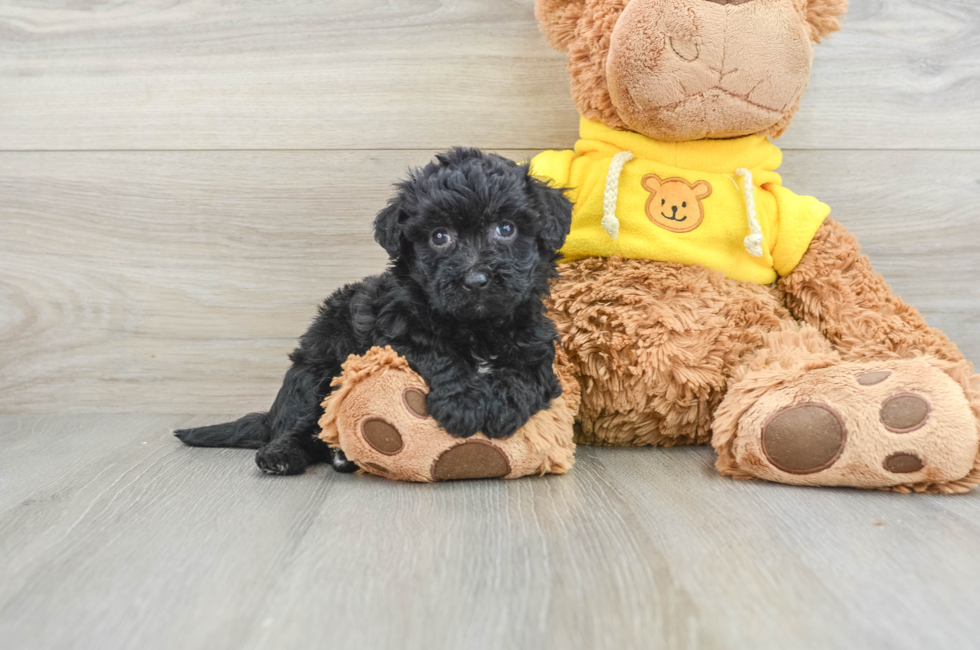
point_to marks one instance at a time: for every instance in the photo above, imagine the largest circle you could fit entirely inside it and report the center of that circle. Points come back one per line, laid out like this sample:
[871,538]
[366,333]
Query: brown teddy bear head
[678,70]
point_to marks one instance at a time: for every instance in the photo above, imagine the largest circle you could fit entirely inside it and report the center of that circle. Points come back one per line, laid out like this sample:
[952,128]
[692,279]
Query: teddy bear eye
[663,201]
[684,204]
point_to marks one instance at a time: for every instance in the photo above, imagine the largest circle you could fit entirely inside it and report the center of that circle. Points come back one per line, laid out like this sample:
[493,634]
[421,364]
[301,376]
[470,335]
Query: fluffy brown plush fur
[673,355]
[654,344]
[669,354]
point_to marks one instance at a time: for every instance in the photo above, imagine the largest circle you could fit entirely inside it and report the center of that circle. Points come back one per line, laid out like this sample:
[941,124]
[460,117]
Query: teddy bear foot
[377,416]
[902,425]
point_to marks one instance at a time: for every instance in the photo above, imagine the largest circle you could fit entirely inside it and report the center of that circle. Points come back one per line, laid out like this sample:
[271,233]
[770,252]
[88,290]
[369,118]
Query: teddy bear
[701,301]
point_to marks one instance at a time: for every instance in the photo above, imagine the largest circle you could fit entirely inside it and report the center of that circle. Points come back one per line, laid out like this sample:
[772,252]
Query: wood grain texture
[373,74]
[178,281]
[113,535]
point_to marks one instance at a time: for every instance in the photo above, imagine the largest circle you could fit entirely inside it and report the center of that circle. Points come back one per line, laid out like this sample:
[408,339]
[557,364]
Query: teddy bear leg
[836,289]
[799,414]
[897,409]
[377,416]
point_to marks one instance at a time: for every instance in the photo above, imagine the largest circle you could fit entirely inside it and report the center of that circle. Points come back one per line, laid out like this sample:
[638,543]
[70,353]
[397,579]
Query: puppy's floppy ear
[554,212]
[388,226]
[823,17]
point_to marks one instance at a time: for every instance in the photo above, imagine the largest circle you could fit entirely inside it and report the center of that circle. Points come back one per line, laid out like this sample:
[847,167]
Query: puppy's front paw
[283,456]
[503,422]
[461,416]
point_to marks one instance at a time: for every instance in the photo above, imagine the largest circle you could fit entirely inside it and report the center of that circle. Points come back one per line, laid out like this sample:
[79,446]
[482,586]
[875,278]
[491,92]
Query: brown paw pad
[903,463]
[874,378]
[377,468]
[905,413]
[382,437]
[804,439]
[471,460]
[414,400]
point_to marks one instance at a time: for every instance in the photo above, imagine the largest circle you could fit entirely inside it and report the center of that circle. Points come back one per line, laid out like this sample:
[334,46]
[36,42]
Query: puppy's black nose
[475,281]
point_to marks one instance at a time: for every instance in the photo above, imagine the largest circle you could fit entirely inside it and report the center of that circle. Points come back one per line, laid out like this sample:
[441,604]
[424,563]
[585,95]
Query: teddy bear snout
[671,76]
[685,48]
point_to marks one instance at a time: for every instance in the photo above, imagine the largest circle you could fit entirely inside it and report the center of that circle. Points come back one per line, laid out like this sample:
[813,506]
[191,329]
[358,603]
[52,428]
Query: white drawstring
[753,243]
[609,221]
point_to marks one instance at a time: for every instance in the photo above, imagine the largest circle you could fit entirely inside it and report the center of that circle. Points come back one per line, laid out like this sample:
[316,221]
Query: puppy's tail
[250,432]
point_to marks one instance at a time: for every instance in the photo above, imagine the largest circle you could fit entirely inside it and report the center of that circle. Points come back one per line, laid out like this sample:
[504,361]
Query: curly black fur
[467,315]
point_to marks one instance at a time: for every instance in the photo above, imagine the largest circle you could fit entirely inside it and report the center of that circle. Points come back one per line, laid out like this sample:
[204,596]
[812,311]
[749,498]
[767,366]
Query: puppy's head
[476,232]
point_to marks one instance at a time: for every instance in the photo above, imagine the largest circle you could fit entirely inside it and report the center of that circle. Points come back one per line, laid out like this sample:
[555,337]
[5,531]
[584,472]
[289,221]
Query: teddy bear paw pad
[414,401]
[903,463]
[905,413]
[382,437]
[471,460]
[873,378]
[905,425]
[804,439]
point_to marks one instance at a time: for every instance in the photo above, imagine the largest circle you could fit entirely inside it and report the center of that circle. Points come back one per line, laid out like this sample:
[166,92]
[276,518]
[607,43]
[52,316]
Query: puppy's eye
[505,230]
[441,239]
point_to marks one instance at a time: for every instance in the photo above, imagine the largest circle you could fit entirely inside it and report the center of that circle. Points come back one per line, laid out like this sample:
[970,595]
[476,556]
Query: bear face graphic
[675,204]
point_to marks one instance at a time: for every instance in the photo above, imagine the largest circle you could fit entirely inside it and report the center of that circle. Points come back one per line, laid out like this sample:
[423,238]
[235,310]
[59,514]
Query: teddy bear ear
[824,17]
[557,19]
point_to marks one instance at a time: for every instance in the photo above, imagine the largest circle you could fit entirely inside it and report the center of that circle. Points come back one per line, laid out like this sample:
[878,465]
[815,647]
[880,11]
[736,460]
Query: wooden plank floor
[181,182]
[112,535]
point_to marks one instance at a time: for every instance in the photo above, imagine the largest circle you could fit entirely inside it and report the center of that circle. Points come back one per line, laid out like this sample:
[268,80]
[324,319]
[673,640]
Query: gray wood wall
[182,182]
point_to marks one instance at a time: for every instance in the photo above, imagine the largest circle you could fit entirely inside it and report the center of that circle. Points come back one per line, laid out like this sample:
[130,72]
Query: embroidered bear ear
[702,189]
[652,183]
[557,19]
[823,17]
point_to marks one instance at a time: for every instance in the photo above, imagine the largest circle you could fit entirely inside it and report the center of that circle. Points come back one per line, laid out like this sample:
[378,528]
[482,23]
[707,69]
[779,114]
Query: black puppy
[472,239]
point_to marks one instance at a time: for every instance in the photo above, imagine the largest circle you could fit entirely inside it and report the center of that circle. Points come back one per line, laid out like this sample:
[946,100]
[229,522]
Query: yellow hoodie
[718,203]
